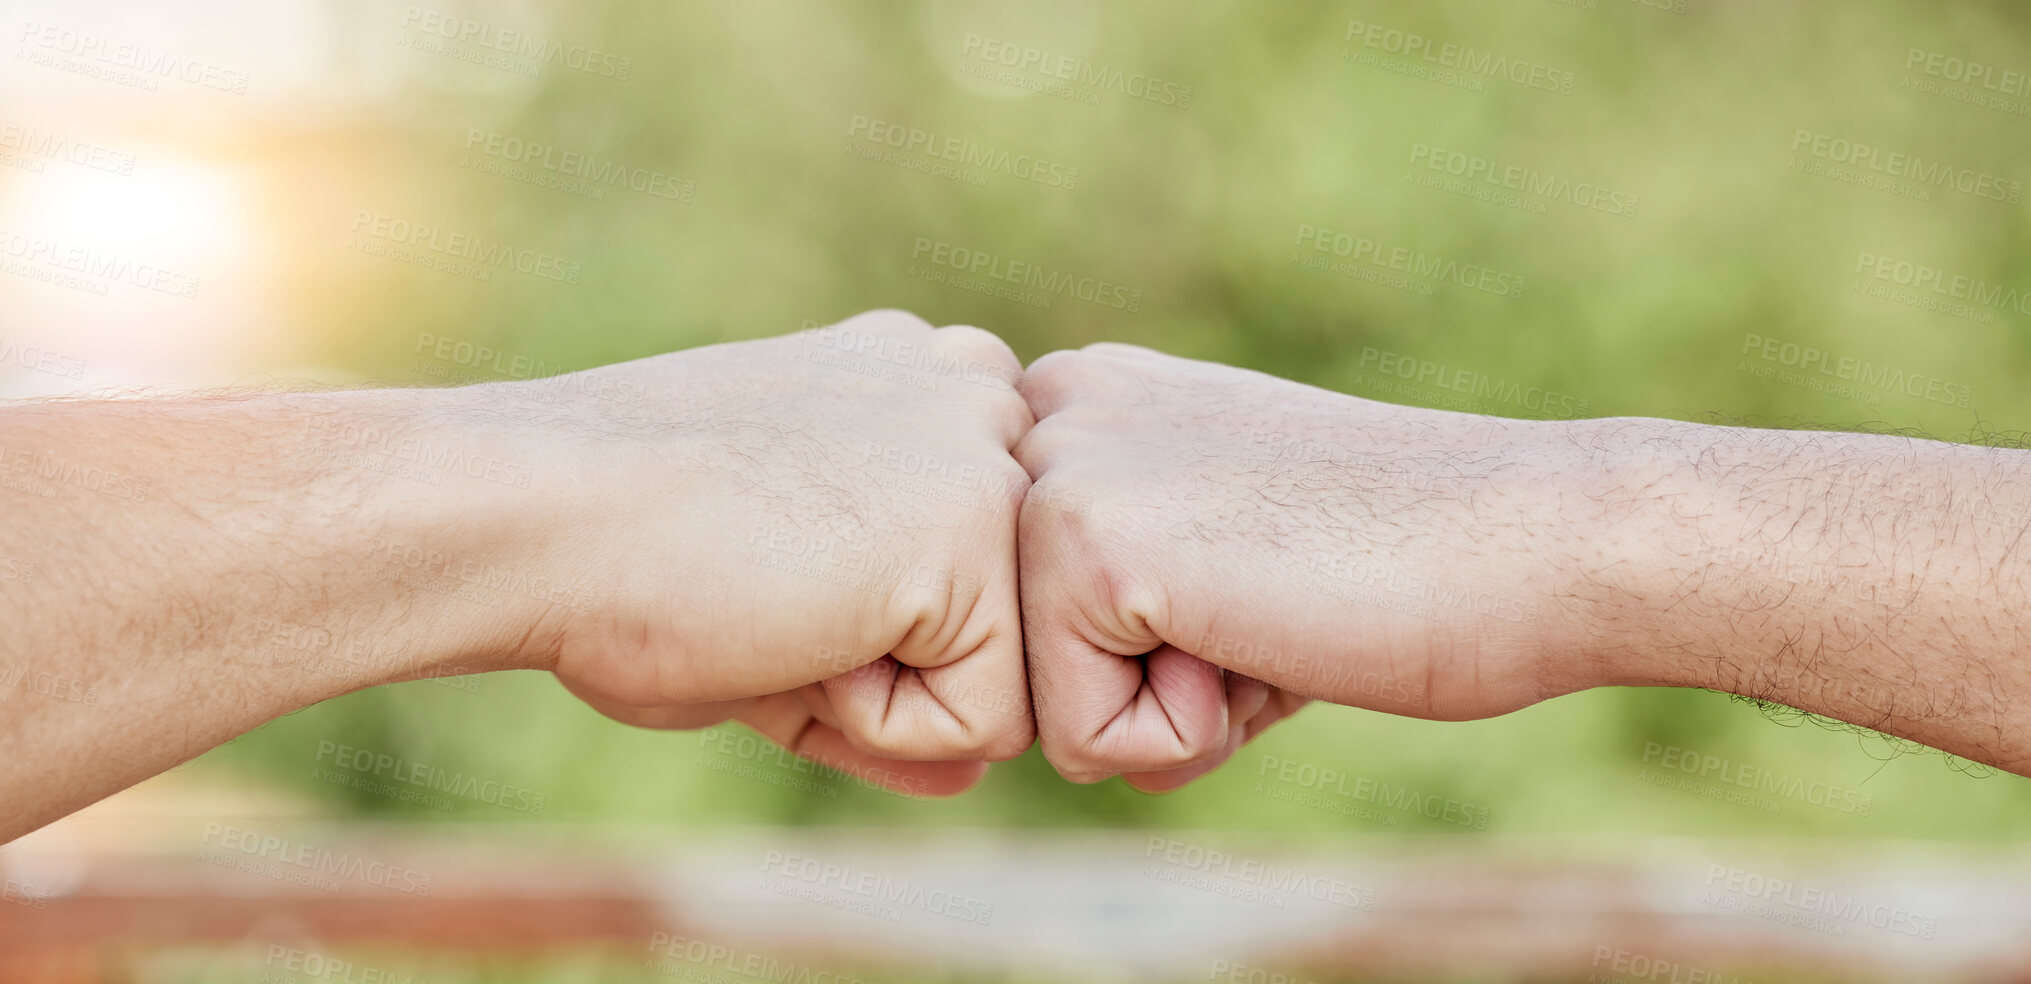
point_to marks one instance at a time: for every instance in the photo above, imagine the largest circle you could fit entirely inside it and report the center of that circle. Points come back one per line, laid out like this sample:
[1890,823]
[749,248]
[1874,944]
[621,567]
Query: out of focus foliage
[1724,123]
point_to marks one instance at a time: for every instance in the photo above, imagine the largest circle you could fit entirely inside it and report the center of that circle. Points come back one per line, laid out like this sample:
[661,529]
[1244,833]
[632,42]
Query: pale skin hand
[727,541]
[1236,527]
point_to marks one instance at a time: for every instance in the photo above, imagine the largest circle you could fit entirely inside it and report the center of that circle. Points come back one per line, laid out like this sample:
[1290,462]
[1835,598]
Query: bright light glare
[174,211]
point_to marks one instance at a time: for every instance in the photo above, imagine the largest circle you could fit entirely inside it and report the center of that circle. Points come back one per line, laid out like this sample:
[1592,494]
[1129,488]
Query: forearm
[1873,579]
[201,566]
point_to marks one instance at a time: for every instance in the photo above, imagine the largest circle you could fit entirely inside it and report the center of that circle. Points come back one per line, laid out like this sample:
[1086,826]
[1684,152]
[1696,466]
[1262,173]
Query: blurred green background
[1203,207]
[1721,132]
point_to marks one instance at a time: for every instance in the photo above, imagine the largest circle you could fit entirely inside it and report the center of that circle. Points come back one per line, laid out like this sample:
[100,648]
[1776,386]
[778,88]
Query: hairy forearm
[196,567]
[1874,579]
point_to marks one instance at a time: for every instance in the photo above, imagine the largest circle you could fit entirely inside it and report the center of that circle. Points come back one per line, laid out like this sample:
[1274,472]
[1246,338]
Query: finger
[1110,696]
[1166,780]
[986,367]
[1246,696]
[1250,710]
[885,321]
[953,687]
[815,700]
[984,349]
[1101,713]
[1044,447]
[1131,353]
[785,720]
[1063,378]
[1281,704]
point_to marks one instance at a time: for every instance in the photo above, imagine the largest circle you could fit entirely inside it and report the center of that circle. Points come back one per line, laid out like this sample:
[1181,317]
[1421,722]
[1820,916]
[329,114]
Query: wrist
[1629,498]
[431,514]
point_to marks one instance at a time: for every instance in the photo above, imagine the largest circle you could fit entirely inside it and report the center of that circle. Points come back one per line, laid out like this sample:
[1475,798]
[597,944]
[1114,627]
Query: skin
[822,536]
[1263,541]
[743,531]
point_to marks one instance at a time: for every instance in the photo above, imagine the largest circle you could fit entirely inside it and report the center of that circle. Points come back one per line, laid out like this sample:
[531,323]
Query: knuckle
[1058,507]
[885,740]
[993,743]
[1194,748]
[1119,350]
[1039,448]
[891,318]
[1011,743]
[1072,758]
[1011,489]
[1081,762]
[1052,365]
[983,344]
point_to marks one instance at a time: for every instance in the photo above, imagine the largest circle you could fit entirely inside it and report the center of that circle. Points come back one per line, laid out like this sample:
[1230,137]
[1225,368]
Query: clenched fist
[1206,547]
[814,534]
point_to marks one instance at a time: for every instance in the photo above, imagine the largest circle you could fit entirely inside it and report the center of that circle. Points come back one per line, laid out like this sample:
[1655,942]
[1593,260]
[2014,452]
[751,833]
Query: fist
[814,534]
[1205,547]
